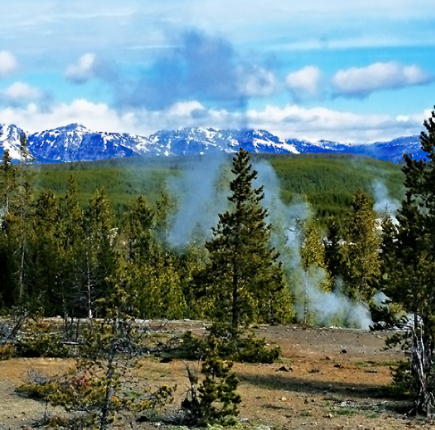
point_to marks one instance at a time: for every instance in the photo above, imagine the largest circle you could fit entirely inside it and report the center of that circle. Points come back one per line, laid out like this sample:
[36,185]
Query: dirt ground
[332,382]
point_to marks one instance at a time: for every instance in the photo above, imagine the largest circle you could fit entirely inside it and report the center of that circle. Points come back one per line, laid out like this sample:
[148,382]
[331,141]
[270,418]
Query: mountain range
[75,142]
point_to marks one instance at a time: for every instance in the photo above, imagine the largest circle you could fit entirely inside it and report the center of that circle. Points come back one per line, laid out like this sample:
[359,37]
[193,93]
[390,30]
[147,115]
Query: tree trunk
[21,290]
[235,304]
[88,286]
[421,367]
[306,299]
[105,412]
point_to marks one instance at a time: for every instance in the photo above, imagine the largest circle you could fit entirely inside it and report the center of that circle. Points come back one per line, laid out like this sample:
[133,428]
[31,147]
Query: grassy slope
[328,182]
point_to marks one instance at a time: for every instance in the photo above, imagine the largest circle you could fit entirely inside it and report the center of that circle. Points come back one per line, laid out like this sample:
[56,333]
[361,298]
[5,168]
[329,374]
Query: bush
[42,345]
[215,401]
[6,351]
[231,345]
[40,341]
[402,385]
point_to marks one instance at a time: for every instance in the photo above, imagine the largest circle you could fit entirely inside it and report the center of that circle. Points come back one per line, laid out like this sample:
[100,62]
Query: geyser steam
[328,308]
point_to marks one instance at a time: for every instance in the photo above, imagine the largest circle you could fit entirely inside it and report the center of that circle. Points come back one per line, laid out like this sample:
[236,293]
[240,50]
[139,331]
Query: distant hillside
[328,181]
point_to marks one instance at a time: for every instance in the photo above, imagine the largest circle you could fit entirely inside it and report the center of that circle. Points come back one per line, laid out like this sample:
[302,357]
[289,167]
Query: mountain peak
[74,127]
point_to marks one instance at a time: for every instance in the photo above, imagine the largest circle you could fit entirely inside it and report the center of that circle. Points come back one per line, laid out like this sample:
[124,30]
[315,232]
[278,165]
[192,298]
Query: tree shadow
[279,381]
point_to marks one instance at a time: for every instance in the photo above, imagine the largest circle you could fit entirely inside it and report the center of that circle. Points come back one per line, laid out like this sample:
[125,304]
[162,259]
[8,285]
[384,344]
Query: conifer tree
[23,207]
[313,255]
[243,270]
[8,181]
[100,257]
[137,231]
[313,262]
[72,252]
[46,258]
[409,269]
[333,257]
[361,249]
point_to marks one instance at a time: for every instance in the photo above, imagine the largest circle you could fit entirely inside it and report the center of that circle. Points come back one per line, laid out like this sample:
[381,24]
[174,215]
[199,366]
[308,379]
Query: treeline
[61,258]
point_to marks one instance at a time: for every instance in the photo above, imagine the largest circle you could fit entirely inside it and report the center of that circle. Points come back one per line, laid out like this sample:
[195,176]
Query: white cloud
[8,63]
[305,82]
[83,70]
[288,121]
[20,91]
[258,82]
[360,82]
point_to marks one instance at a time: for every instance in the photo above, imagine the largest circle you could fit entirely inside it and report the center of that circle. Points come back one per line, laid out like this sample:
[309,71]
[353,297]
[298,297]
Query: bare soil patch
[332,380]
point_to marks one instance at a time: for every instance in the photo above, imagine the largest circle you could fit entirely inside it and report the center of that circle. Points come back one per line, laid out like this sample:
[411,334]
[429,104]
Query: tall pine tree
[243,275]
[409,268]
[361,249]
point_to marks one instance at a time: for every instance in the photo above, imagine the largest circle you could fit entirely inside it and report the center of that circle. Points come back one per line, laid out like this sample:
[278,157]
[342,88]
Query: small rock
[339,366]
[327,416]
[283,399]
[327,358]
[284,369]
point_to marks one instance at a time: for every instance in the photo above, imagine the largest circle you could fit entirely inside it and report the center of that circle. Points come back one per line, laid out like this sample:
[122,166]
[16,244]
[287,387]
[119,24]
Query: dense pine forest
[69,231]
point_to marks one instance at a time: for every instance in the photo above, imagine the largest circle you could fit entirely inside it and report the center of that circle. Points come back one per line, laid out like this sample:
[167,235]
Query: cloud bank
[289,121]
[361,82]
[21,92]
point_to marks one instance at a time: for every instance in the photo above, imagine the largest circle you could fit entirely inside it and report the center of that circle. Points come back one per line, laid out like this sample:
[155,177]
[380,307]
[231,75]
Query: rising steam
[328,308]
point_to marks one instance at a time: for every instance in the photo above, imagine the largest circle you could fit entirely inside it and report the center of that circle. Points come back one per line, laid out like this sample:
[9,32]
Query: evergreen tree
[23,207]
[46,258]
[409,269]
[333,257]
[243,271]
[361,249]
[313,255]
[100,257]
[8,181]
[72,252]
[137,230]
[313,263]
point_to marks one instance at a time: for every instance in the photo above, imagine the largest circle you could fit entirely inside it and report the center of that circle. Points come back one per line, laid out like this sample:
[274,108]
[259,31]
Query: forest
[266,240]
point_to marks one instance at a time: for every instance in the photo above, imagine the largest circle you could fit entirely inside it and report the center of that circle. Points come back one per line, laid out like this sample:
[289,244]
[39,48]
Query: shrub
[6,351]
[42,345]
[231,345]
[402,385]
[215,401]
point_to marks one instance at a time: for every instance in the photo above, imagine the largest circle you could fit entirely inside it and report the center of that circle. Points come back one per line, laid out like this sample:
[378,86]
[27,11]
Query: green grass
[327,182]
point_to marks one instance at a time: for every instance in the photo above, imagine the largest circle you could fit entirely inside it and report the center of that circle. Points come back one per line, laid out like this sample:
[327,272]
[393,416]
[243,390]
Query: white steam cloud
[384,204]
[199,200]
[328,308]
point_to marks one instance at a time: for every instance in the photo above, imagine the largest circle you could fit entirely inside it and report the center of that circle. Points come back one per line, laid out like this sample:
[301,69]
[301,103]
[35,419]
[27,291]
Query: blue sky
[354,71]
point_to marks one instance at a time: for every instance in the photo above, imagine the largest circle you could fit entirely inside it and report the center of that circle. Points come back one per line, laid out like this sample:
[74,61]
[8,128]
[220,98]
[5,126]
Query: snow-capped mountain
[75,142]
[10,140]
[202,140]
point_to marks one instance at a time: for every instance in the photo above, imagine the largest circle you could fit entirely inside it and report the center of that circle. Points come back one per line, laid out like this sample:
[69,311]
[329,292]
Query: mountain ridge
[75,142]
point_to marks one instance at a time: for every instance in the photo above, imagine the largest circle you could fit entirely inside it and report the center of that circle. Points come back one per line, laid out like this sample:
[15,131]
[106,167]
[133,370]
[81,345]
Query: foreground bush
[240,346]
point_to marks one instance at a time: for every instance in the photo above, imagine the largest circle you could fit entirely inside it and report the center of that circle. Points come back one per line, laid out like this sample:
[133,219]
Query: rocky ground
[328,379]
